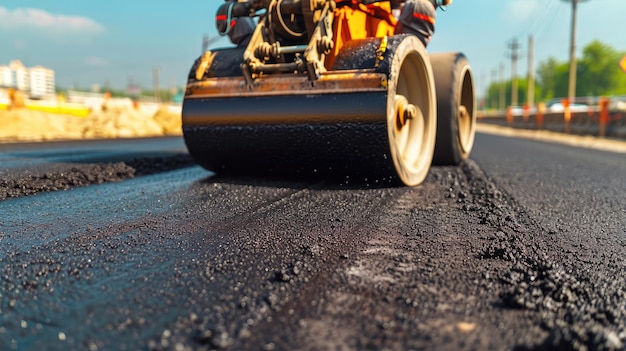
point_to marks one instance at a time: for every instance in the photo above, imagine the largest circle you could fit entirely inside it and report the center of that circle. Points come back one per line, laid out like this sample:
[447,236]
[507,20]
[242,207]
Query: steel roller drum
[341,125]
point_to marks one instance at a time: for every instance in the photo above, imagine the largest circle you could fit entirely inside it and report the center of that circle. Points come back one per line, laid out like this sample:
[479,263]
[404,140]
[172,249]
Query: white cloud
[39,19]
[96,61]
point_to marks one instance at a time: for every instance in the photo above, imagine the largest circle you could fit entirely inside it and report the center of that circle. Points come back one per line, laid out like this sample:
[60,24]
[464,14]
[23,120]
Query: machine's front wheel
[411,111]
[456,107]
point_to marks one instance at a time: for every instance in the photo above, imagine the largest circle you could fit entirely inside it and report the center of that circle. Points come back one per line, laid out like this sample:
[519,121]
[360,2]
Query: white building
[19,76]
[37,81]
[41,81]
[5,77]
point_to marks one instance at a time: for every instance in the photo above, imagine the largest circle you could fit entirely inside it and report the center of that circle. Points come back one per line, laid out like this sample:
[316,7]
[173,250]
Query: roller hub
[404,111]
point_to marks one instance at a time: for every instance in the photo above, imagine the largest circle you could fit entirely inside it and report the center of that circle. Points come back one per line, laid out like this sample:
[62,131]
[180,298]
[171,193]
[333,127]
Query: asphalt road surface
[127,245]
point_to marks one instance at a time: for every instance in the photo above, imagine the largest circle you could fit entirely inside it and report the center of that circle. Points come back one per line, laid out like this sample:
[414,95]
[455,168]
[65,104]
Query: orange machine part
[359,21]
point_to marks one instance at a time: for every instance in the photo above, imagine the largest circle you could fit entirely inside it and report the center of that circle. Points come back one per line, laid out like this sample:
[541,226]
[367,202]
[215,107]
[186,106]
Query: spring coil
[265,50]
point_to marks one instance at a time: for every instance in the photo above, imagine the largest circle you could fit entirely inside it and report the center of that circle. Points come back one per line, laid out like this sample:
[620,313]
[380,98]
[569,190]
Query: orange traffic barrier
[567,114]
[526,112]
[604,115]
[509,115]
[541,110]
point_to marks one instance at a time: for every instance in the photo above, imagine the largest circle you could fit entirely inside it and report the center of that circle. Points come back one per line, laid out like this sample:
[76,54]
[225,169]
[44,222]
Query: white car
[618,103]
[558,107]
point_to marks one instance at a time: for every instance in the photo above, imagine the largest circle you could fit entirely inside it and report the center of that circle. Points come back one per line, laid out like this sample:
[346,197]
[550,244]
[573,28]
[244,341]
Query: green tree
[552,78]
[598,74]
[598,71]
[492,99]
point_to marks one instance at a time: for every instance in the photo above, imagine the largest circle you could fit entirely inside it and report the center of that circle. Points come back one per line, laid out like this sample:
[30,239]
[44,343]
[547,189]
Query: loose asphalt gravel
[486,255]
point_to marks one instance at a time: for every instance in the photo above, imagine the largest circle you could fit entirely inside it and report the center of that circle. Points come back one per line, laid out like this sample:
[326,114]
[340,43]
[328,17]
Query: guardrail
[595,121]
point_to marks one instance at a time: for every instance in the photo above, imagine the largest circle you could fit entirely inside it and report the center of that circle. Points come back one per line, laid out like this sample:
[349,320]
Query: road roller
[326,88]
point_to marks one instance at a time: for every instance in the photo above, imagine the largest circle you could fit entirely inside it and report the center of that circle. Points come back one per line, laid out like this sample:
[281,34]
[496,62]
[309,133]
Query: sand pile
[22,124]
[118,122]
[170,122]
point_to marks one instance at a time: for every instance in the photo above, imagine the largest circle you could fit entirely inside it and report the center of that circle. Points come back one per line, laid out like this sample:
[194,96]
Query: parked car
[617,104]
[556,105]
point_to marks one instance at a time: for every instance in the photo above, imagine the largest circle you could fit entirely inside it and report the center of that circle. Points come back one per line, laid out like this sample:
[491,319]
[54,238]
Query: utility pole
[531,71]
[494,96]
[483,83]
[155,81]
[514,46]
[502,88]
[572,50]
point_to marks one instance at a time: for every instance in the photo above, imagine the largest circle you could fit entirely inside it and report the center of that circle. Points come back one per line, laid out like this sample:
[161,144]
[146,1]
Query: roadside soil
[118,122]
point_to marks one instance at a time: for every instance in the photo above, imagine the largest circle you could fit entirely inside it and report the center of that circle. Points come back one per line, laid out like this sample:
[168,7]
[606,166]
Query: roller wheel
[381,136]
[456,108]
[411,111]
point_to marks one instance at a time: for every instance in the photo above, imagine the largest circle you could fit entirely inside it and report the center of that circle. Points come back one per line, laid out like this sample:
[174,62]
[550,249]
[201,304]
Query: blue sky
[114,41]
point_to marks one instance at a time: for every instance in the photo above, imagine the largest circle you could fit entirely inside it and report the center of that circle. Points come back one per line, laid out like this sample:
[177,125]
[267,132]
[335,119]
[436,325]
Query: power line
[539,20]
[542,15]
[550,15]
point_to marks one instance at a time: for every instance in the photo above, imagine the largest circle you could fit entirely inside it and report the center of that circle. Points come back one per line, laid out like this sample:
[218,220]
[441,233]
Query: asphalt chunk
[58,177]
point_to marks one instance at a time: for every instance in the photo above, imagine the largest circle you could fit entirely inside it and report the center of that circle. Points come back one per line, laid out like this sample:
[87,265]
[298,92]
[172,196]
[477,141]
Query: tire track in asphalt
[466,270]
[382,262]
[399,289]
[292,246]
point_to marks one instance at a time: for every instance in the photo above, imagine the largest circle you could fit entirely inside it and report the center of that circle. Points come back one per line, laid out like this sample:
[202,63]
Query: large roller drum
[373,116]
[456,108]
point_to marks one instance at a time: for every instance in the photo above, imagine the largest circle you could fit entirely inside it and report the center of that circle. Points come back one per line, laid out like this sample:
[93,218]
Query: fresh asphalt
[522,247]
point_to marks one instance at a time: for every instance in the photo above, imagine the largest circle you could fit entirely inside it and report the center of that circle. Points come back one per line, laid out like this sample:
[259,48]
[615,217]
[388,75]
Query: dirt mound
[22,124]
[117,122]
[170,121]
[120,123]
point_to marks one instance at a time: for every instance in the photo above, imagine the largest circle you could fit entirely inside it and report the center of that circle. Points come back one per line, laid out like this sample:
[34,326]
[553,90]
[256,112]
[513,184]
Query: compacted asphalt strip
[487,255]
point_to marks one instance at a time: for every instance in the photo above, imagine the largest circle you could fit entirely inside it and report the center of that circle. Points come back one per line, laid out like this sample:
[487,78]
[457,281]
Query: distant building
[41,81]
[5,77]
[37,81]
[19,76]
